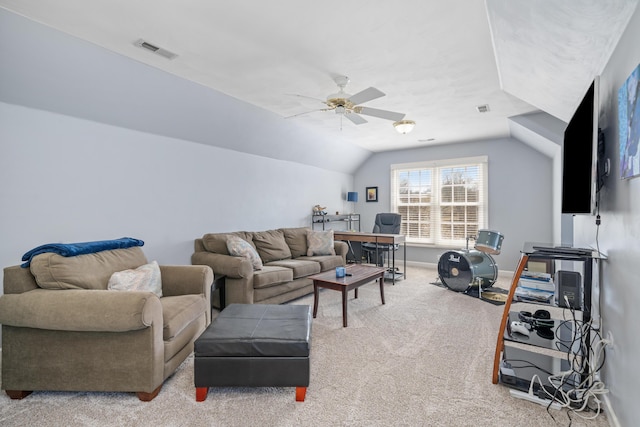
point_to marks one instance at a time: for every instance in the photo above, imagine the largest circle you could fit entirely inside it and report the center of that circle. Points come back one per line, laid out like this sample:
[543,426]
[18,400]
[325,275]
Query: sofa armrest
[81,310]
[231,266]
[186,279]
[18,280]
[341,248]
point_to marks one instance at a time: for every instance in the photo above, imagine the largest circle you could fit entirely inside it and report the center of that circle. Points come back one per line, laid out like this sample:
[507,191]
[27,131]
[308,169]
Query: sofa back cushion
[271,245]
[89,271]
[296,239]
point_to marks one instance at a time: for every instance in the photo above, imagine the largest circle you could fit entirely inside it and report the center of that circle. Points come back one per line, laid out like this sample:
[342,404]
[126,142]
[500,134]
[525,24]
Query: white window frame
[435,221]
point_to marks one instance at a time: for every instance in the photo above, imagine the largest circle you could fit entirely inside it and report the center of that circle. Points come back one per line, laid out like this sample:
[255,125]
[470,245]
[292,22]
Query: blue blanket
[73,249]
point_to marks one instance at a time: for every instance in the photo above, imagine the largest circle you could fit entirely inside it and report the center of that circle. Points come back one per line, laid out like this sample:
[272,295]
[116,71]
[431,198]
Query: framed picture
[372,194]
[629,125]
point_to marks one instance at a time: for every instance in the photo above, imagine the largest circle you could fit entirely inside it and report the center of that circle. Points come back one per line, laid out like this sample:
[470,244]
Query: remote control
[519,328]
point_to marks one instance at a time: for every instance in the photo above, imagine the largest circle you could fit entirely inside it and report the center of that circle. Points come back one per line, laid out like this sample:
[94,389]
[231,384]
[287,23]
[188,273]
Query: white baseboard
[611,415]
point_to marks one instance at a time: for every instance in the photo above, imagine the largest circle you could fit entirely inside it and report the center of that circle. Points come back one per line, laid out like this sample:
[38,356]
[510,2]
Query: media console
[558,321]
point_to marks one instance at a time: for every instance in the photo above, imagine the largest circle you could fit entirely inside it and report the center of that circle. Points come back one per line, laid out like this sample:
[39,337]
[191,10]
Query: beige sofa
[286,264]
[63,330]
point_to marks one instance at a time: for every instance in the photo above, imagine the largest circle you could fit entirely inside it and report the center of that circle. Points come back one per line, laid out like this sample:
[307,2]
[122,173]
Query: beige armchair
[76,339]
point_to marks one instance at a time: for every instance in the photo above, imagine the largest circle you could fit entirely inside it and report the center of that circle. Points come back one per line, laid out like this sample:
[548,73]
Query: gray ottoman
[255,345]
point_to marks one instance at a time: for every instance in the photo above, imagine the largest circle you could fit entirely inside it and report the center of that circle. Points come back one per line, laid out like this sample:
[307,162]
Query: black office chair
[385,223]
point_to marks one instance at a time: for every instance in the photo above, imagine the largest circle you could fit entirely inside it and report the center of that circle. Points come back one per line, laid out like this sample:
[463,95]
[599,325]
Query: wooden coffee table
[360,275]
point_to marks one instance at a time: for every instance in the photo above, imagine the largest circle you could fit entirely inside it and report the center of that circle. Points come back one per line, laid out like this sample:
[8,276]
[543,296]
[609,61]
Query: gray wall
[520,196]
[619,238]
[64,179]
[97,146]
[49,70]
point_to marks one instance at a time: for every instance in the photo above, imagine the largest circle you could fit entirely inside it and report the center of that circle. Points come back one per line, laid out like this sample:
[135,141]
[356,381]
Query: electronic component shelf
[571,272]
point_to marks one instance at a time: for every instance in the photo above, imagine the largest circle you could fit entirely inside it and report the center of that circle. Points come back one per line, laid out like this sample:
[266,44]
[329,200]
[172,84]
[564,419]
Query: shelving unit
[346,221]
[546,349]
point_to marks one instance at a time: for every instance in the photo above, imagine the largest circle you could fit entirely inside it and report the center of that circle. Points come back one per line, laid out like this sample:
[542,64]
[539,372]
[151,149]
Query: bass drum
[461,270]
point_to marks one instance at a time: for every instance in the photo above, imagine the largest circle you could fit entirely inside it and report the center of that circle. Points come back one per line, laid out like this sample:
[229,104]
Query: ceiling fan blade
[356,119]
[307,112]
[307,97]
[383,114]
[366,95]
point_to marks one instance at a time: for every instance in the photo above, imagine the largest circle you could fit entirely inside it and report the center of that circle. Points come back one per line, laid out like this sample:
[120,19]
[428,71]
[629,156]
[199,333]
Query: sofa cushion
[327,262]
[240,247]
[320,243]
[301,268]
[271,275]
[89,271]
[144,278]
[296,239]
[179,311]
[271,245]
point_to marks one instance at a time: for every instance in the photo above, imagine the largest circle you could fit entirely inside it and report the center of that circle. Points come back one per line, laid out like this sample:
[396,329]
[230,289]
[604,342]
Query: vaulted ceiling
[436,61]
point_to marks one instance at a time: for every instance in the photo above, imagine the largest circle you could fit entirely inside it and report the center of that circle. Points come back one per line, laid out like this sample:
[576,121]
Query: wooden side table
[218,283]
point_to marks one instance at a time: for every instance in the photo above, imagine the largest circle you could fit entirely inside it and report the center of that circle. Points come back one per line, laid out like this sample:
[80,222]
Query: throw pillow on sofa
[144,278]
[240,247]
[320,243]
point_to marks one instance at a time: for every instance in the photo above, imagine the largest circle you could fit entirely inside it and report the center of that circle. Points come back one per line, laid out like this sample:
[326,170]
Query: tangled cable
[579,388]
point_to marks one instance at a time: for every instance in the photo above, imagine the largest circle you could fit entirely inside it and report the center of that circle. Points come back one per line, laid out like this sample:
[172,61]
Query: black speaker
[569,286]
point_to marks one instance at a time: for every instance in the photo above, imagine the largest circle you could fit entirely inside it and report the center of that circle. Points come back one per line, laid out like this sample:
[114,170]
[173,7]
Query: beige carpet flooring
[423,359]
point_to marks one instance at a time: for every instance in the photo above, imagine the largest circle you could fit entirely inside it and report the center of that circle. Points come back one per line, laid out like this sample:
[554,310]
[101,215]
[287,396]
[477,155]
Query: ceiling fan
[348,106]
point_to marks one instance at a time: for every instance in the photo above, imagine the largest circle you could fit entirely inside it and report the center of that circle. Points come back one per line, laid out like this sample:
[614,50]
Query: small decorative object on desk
[319,210]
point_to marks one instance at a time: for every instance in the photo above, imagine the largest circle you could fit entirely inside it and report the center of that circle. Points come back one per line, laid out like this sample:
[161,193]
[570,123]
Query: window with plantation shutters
[441,202]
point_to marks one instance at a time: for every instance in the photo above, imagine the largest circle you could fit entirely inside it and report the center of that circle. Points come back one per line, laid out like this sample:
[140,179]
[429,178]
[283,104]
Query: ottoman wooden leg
[201,393]
[301,392]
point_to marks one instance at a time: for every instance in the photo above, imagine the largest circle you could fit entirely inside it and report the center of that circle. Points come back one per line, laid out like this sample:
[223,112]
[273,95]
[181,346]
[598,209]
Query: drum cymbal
[494,296]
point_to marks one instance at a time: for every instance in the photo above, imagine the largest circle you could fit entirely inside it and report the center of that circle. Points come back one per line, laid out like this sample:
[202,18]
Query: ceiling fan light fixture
[404,126]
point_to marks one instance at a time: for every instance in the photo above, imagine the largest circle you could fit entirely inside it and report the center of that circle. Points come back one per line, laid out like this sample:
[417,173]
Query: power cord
[564,390]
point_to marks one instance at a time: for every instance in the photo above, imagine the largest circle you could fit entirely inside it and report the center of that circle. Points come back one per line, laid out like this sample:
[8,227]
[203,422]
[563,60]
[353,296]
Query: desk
[389,239]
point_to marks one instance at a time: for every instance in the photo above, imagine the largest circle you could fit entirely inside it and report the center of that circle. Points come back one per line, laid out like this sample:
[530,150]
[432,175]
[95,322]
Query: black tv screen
[579,156]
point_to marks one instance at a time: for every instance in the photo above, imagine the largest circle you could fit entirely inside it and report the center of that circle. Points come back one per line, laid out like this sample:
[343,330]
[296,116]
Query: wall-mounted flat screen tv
[629,125]
[579,156]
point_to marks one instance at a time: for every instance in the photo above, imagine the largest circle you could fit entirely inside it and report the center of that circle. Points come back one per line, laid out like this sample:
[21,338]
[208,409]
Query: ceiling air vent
[155,49]
[483,108]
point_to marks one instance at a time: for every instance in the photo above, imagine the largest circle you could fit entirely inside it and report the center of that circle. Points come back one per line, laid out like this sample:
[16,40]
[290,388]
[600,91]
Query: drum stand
[469,238]
[479,283]
[478,279]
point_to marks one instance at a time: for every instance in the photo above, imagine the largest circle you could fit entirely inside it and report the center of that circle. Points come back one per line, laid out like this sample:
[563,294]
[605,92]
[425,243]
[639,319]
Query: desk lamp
[352,196]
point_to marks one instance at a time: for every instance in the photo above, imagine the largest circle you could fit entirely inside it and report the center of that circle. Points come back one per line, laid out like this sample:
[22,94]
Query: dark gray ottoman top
[257,330]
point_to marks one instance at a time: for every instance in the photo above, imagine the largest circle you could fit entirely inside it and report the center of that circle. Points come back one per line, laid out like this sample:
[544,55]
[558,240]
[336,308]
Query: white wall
[619,238]
[520,196]
[64,179]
